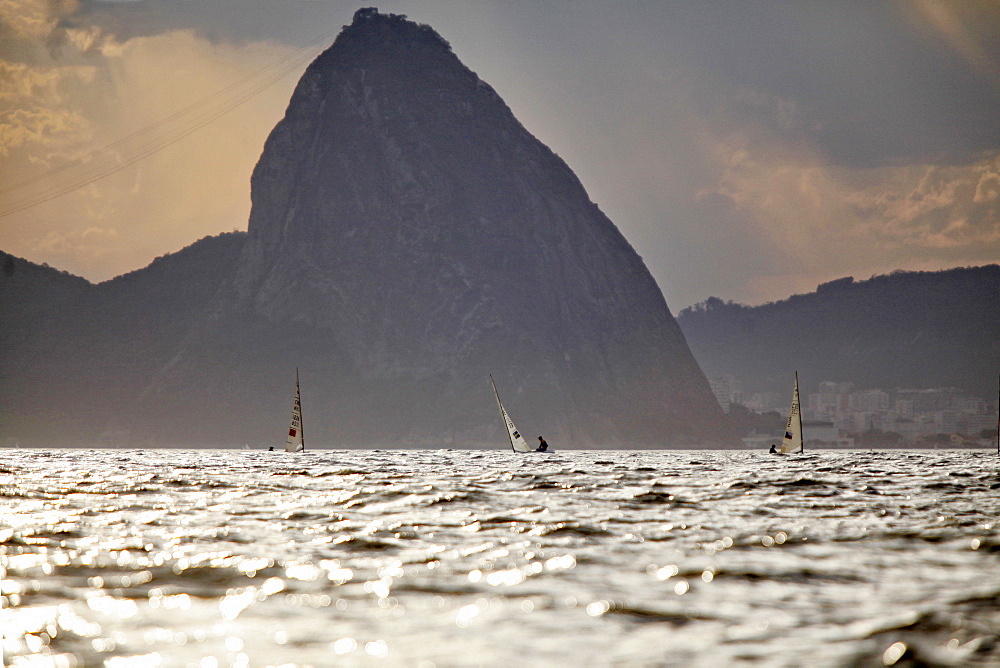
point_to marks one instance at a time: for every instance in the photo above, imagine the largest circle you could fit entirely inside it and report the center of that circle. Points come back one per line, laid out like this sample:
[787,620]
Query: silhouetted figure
[271,449]
[773,449]
[542,445]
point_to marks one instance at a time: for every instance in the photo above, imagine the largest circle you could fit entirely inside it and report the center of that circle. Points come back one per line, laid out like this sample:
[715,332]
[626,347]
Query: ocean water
[462,558]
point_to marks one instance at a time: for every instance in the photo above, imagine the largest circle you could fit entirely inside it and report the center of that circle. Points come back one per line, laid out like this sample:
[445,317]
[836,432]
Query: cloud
[988,188]
[121,109]
[34,19]
[822,219]
[35,115]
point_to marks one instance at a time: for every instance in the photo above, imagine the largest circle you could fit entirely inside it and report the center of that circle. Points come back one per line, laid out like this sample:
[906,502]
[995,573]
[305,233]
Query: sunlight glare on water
[435,558]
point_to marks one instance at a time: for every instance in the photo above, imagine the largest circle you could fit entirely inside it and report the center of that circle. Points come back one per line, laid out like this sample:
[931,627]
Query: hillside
[905,329]
[75,354]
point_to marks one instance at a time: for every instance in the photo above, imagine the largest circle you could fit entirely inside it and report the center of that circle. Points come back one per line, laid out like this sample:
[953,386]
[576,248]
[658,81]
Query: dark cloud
[870,88]
[290,21]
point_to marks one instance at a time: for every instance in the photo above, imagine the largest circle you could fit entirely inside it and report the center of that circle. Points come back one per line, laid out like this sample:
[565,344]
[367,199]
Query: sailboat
[296,439]
[517,442]
[792,442]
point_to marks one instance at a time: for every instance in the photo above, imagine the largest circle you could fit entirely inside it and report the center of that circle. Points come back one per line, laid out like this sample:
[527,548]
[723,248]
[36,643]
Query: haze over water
[441,558]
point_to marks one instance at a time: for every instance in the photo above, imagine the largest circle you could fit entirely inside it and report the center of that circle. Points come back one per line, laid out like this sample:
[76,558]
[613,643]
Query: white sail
[517,442]
[296,441]
[793,431]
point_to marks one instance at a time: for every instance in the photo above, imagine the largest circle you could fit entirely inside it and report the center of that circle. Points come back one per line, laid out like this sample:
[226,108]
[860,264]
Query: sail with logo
[517,442]
[296,439]
[792,442]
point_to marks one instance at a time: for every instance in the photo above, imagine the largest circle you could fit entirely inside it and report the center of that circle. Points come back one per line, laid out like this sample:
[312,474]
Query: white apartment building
[870,401]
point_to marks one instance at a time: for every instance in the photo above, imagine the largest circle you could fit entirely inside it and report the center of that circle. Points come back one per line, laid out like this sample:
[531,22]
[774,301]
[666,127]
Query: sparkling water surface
[456,557]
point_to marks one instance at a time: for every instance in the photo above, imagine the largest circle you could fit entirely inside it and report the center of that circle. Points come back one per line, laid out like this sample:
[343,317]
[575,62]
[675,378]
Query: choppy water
[442,558]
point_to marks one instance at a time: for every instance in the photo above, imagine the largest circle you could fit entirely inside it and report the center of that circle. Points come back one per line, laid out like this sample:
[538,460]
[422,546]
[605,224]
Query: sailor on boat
[773,449]
[542,445]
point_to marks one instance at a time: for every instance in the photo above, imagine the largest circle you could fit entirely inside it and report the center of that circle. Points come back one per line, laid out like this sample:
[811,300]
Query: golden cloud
[988,188]
[34,19]
[801,203]
[41,127]
[121,111]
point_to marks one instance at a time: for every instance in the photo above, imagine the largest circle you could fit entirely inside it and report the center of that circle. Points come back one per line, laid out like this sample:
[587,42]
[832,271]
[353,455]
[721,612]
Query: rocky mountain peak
[400,208]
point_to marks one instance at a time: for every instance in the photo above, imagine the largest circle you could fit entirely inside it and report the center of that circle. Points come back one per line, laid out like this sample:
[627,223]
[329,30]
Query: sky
[747,150]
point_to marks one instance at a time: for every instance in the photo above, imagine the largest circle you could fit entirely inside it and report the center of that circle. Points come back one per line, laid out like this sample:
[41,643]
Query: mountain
[407,238]
[905,330]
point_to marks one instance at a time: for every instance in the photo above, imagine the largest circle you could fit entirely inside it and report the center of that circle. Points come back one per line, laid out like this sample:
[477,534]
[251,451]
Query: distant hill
[904,329]
[73,355]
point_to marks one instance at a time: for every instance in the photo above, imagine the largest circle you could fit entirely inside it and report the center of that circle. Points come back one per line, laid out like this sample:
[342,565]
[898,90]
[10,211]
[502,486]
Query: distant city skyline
[747,151]
[913,413]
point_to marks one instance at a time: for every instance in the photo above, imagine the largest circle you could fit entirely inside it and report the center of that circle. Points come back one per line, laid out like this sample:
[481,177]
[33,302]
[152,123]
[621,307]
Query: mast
[298,400]
[802,436]
[502,414]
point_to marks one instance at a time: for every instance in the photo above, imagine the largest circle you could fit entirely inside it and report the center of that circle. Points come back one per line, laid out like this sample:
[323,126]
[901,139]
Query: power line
[192,118]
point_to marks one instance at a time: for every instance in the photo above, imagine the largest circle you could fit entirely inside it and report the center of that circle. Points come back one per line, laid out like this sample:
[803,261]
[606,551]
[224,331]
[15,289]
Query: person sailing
[542,445]
[773,449]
